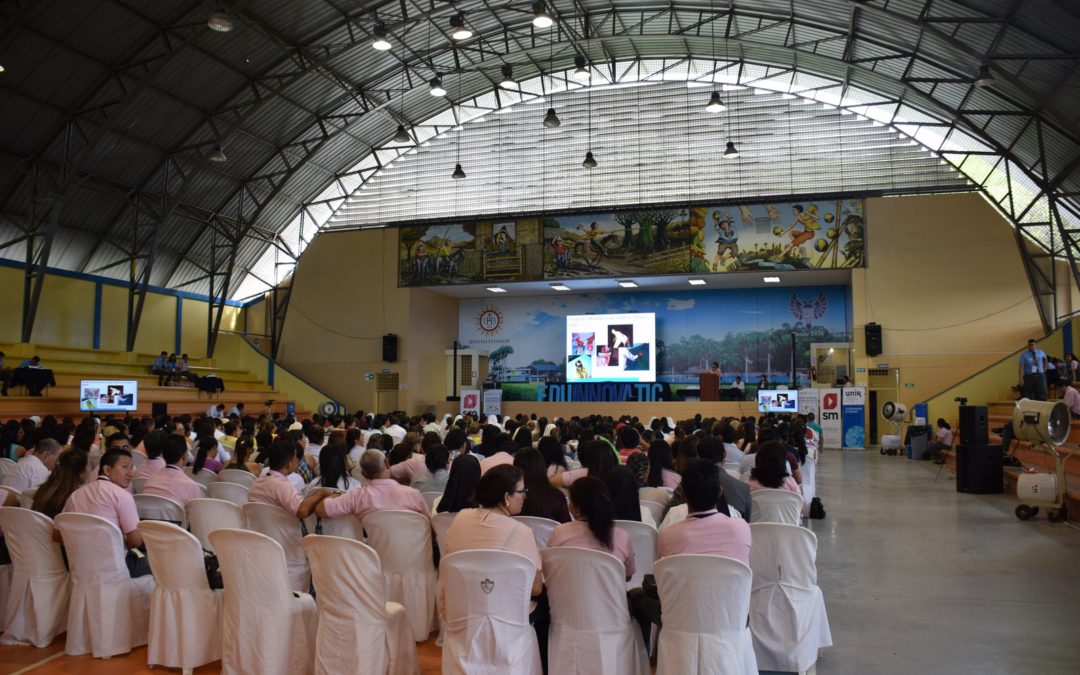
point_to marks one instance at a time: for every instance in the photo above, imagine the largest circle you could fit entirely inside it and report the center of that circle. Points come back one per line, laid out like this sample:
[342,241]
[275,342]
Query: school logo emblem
[487,585]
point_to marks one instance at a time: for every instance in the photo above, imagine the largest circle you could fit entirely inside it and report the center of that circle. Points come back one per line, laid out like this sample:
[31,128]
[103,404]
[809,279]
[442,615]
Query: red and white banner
[831,418]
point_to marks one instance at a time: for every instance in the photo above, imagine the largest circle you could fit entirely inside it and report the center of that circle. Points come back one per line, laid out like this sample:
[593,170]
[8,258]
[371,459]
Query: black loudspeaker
[979,469]
[873,339]
[974,427]
[389,348]
[159,409]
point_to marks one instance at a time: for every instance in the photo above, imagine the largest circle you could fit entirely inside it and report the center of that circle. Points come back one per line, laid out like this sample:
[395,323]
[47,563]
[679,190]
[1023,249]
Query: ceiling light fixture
[508,81]
[220,22]
[559,287]
[627,283]
[402,135]
[496,289]
[771,280]
[541,19]
[731,152]
[590,161]
[380,42]
[458,30]
[984,78]
[217,154]
[1,68]
[458,174]
[551,120]
[581,70]
[696,282]
[436,86]
[715,105]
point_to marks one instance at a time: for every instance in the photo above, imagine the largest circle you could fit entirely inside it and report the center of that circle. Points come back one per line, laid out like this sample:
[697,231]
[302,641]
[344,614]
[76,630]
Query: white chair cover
[440,523]
[591,629]
[659,495]
[541,528]
[265,628]
[403,542]
[643,541]
[6,465]
[787,609]
[705,600]
[776,506]
[238,476]
[185,615]
[809,482]
[26,499]
[37,601]
[229,491]
[346,526]
[207,515]
[356,623]
[153,507]
[431,498]
[7,574]
[137,484]
[109,611]
[655,510]
[487,614]
[284,528]
[205,477]
[137,460]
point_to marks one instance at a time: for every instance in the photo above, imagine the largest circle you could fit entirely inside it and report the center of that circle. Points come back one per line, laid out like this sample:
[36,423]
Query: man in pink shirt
[275,488]
[153,446]
[704,532]
[108,498]
[1072,400]
[171,482]
[382,492]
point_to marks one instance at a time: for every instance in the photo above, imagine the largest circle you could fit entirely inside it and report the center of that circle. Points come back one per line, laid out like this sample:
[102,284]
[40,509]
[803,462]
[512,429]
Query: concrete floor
[920,579]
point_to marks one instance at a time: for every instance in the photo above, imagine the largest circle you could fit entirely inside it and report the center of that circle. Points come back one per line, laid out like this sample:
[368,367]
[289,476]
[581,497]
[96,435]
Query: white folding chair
[487,614]
[403,541]
[205,477]
[185,614]
[440,523]
[6,465]
[137,460]
[228,491]
[787,609]
[657,495]
[37,602]
[776,506]
[356,623]
[706,599]
[643,541]
[347,527]
[266,628]
[432,498]
[109,611]
[239,476]
[137,485]
[591,631]
[153,507]
[654,509]
[541,528]
[206,515]
[284,528]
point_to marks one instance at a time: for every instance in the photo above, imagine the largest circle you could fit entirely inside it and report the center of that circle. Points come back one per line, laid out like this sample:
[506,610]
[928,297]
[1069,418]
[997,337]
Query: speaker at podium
[709,383]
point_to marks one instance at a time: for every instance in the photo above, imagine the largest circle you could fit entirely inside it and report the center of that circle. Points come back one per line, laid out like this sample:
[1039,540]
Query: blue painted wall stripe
[1066,337]
[179,323]
[270,372]
[97,315]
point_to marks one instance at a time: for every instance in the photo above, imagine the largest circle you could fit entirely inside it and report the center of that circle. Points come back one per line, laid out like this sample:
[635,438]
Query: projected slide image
[636,357]
[612,347]
[778,401]
[582,343]
[108,395]
[580,367]
[621,335]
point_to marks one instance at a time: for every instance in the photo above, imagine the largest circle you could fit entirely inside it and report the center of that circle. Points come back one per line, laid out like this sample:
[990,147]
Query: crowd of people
[585,473]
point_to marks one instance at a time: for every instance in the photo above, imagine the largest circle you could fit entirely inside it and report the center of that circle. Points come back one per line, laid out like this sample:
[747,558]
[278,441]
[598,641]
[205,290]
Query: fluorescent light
[628,283]
[696,282]
[772,280]
[496,289]
[559,287]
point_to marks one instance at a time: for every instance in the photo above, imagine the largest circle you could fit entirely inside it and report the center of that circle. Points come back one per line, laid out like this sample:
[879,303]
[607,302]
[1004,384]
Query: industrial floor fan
[1044,424]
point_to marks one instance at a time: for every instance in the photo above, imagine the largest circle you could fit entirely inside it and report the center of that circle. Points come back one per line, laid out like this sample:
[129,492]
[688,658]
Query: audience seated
[71,472]
[771,469]
[33,467]
[437,463]
[171,482]
[461,485]
[275,487]
[594,523]
[154,444]
[542,499]
[381,492]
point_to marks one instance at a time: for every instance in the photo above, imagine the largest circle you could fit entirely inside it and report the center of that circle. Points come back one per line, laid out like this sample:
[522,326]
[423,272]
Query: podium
[710,386]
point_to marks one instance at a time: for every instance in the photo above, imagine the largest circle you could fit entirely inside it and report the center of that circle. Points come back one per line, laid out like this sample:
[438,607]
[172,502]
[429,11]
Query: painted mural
[748,331]
[814,234]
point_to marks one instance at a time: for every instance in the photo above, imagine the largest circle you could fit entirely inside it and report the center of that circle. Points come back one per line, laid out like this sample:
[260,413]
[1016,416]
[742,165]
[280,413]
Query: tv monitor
[108,395]
[611,347]
[778,401]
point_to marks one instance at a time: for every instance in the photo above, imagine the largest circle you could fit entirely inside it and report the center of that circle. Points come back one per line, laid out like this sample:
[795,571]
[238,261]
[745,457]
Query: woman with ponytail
[206,457]
[594,523]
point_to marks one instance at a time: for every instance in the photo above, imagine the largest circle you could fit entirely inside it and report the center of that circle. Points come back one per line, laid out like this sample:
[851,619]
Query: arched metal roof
[111,108]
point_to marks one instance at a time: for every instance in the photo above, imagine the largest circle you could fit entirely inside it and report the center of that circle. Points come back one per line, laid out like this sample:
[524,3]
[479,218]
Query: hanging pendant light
[581,70]
[381,42]
[220,22]
[217,154]
[436,86]
[458,30]
[731,152]
[459,173]
[402,135]
[508,81]
[984,78]
[590,161]
[715,105]
[551,120]
[541,19]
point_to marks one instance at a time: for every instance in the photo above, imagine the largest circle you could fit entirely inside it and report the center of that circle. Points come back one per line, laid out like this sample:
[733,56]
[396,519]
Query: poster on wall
[627,243]
[832,425]
[808,403]
[493,401]
[853,413]
[470,402]
[465,253]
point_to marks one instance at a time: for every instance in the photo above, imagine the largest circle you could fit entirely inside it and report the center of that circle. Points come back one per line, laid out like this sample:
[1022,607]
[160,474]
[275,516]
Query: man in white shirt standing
[34,467]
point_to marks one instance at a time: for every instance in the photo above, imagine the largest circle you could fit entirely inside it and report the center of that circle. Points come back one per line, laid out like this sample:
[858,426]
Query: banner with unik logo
[853,413]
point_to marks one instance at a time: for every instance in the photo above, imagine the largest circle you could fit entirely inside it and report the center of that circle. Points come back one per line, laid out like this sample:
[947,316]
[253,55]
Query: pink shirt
[789,484]
[482,528]
[568,477]
[489,463]
[378,495]
[172,483]
[274,488]
[150,467]
[670,478]
[944,435]
[715,534]
[577,533]
[409,468]
[108,500]
[1072,399]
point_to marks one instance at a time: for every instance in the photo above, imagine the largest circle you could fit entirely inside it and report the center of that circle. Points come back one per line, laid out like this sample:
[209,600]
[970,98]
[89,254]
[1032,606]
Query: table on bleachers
[34,379]
[210,384]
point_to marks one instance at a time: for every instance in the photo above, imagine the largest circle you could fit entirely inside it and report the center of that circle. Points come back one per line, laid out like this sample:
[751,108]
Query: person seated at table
[32,362]
[594,523]
[33,386]
[160,367]
[171,482]
[381,492]
[108,497]
[70,473]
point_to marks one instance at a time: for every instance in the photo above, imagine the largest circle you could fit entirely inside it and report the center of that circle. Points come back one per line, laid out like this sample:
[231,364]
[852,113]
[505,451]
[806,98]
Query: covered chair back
[207,515]
[185,615]
[284,528]
[787,609]
[776,506]
[705,599]
[591,630]
[487,614]
[541,528]
[356,623]
[229,491]
[238,476]
[154,507]
[643,541]
[108,613]
[265,628]
[403,541]
[37,603]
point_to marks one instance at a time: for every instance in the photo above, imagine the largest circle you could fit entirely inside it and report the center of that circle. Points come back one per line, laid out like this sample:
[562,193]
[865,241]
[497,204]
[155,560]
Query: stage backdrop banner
[470,402]
[832,426]
[808,403]
[493,401]
[854,416]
